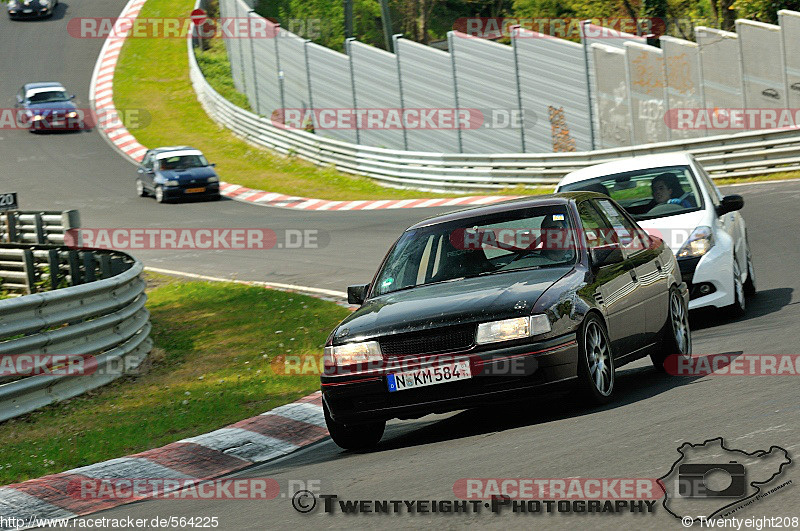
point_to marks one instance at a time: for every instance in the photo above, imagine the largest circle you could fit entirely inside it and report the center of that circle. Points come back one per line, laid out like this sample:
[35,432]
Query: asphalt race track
[634,437]
[81,171]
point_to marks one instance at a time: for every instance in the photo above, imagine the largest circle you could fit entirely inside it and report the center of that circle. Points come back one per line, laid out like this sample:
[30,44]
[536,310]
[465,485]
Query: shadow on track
[633,385]
[761,304]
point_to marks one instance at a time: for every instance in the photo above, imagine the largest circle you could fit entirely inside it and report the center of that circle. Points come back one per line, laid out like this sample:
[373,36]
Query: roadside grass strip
[216,345]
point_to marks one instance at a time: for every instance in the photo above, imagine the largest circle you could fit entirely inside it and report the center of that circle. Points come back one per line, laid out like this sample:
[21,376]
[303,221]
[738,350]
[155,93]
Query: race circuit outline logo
[691,491]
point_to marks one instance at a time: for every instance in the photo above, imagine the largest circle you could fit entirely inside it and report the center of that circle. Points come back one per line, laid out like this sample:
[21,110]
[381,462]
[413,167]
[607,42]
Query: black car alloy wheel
[596,363]
[676,336]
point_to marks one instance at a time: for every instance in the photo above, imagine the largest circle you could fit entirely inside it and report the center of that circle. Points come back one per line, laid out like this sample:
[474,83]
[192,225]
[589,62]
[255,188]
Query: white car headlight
[352,353]
[699,243]
[172,183]
[515,328]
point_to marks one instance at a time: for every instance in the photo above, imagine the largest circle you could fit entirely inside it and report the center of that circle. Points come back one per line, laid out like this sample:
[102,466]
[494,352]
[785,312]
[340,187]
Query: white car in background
[672,197]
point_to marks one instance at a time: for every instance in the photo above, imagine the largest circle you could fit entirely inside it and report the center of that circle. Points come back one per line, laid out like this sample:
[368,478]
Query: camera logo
[710,480]
[707,480]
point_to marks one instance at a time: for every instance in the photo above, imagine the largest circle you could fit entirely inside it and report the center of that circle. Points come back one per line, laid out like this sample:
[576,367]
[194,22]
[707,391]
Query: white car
[672,196]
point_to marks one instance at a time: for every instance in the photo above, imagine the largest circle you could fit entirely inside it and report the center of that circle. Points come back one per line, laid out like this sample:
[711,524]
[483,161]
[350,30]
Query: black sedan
[31,8]
[492,302]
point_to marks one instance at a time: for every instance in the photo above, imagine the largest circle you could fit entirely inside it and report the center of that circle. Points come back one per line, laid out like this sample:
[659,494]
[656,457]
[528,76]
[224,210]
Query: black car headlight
[352,354]
[172,183]
[510,329]
[37,118]
[72,114]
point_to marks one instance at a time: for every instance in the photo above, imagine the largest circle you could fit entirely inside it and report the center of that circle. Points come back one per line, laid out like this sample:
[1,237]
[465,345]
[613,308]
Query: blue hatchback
[180,172]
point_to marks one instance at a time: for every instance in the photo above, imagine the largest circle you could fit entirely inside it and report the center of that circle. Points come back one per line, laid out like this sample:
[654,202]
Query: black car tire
[595,354]
[159,193]
[739,306]
[356,437]
[750,283]
[676,336]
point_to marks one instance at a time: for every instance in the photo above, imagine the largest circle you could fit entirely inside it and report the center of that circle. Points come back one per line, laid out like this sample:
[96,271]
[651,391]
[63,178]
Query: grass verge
[781,176]
[153,74]
[212,366]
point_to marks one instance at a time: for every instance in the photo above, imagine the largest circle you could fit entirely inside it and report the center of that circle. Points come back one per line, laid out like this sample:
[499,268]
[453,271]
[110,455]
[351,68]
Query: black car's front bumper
[497,374]
[20,13]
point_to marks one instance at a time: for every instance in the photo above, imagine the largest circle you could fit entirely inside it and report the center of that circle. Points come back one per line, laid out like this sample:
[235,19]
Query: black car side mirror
[356,294]
[72,96]
[213,164]
[730,203]
[606,255]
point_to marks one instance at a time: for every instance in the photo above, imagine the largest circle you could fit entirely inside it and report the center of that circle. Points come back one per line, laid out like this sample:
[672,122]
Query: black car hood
[477,299]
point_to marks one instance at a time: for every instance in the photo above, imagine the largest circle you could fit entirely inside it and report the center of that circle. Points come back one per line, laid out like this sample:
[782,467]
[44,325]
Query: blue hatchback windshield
[535,237]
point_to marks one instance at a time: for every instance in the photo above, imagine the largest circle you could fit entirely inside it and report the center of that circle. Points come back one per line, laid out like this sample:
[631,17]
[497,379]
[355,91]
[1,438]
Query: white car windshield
[649,193]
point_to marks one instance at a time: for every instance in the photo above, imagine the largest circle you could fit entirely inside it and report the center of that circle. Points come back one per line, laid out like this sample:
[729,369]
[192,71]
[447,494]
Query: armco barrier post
[30,270]
[53,265]
[74,268]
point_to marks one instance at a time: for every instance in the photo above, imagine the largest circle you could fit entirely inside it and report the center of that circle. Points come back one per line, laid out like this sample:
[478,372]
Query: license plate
[57,122]
[27,10]
[194,190]
[450,372]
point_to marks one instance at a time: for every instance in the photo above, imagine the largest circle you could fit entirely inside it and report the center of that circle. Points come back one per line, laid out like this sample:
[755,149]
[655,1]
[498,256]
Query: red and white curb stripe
[260,197]
[101,93]
[272,434]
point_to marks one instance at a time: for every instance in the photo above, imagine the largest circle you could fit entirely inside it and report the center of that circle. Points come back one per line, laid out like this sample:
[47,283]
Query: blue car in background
[48,107]
[179,172]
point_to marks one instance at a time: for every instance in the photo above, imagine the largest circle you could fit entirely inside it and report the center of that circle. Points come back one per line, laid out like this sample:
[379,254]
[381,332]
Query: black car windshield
[534,237]
[183,162]
[48,96]
[650,193]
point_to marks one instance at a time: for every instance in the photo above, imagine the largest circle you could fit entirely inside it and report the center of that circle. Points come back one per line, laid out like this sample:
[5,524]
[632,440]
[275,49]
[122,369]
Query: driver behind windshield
[667,189]
[556,237]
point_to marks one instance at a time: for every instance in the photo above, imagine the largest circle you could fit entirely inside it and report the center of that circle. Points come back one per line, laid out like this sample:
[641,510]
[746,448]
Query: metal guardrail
[733,155]
[21,226]
[103,319]
[32,268]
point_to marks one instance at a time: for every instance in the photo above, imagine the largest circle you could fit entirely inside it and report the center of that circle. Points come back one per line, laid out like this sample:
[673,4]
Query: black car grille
[447,339]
